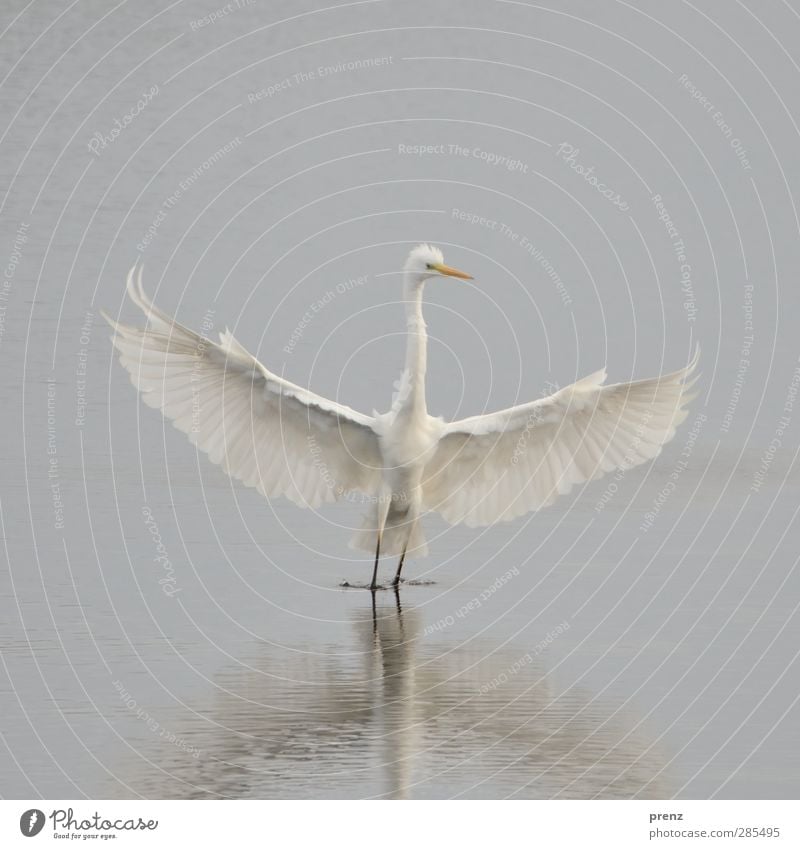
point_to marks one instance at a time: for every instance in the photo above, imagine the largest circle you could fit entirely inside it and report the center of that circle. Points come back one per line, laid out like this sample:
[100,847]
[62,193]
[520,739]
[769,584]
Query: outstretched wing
[499,466]
[263,430]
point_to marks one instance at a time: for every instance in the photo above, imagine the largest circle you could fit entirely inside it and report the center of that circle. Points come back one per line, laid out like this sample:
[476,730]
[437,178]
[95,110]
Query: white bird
[285,440]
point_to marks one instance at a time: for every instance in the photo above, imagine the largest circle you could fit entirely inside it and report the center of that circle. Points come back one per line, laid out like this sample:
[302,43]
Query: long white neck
[411,397]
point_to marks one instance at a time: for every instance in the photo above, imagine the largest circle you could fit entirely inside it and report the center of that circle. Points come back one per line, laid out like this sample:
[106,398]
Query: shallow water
[559,672]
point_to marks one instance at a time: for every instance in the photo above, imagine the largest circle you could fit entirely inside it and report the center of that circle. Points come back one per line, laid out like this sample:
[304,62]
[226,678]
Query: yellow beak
[448,271]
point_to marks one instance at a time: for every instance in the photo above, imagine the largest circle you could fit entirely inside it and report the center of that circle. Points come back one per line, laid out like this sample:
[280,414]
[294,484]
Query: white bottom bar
[385,825]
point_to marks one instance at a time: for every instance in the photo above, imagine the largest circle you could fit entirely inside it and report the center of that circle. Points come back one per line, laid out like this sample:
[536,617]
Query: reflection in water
[399,718]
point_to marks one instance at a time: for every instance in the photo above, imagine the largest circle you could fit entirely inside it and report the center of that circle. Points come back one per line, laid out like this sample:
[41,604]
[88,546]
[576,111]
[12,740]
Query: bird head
[426,261]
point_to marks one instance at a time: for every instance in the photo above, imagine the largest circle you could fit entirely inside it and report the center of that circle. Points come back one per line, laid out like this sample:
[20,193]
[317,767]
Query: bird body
[285,440]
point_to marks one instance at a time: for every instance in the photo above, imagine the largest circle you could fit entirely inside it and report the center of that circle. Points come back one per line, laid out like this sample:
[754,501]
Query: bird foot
[392,585]
[359,585]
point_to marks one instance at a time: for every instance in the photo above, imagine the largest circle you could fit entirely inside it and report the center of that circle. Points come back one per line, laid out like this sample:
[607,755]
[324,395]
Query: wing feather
[499,466]
[263,430]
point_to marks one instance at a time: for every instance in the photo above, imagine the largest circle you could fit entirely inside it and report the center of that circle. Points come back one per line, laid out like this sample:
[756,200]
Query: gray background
[610,660]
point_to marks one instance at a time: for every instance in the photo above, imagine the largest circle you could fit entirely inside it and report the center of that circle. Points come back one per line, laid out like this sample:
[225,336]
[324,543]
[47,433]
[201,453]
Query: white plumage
[285,440]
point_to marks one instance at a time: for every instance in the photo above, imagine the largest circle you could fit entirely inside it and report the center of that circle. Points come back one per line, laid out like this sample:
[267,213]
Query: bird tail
[398,530]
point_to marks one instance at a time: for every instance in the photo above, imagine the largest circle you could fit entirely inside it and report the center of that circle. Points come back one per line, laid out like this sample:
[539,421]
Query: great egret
[285,440]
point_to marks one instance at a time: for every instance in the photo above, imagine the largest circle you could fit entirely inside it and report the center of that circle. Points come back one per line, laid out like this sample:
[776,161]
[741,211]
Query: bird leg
[374,585]
[396,581]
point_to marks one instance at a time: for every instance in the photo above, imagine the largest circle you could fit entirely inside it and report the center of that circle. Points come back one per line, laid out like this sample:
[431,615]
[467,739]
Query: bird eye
[428,265]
